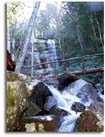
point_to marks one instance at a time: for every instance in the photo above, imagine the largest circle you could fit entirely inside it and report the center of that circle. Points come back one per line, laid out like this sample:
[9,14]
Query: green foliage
[11,12]
[12,76]
[76,22]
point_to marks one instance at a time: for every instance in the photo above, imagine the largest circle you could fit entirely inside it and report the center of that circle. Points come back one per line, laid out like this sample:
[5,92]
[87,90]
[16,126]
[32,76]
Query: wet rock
[50,102]
[88,122]
[10,63]
[58,112]
[66,79]
[84,91]
[78,107]
[39,94]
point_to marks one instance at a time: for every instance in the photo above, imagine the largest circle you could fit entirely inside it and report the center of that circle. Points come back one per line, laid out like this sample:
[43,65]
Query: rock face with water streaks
[88,122]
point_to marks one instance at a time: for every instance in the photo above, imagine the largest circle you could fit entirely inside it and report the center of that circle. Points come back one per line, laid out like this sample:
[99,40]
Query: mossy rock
[88,122]
[16,103]
[12,76]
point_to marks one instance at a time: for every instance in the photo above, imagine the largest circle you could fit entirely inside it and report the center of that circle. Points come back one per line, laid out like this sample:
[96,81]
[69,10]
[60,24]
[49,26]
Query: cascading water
[52,53]
[68,122]
[61,102]
[65,100]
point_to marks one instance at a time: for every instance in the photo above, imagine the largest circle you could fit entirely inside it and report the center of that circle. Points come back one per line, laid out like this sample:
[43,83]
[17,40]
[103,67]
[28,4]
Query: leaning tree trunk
[28,37]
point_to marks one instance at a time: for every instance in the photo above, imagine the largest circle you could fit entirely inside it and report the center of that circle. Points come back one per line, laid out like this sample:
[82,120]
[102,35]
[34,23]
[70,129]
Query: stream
[66,98]
[68,122]
[80,92]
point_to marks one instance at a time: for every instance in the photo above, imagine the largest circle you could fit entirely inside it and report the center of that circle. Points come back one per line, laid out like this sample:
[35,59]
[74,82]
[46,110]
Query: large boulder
[84,91]
[58,112]
[17,104]
[39,94]
[66,79]
[88,122]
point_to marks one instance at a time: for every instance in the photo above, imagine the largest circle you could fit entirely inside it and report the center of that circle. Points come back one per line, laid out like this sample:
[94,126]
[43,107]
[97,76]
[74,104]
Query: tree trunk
[8,38]
[28,37]
[13,46]
[93,29]
[88,71]
[76,28]
[99,30]
[32,59]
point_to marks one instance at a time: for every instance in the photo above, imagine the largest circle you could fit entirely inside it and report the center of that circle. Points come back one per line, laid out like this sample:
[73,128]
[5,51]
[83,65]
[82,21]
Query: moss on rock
[12,76]
[15,105]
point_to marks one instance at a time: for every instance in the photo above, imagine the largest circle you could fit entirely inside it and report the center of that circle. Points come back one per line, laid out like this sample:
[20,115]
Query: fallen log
[88,71]
[80,72]
[64,60]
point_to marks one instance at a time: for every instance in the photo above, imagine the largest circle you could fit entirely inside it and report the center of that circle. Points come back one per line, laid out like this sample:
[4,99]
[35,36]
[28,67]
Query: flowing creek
[79,91]
[65,101]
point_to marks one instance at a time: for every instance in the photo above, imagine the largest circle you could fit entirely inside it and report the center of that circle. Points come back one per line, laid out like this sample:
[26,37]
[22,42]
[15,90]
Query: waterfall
[68,122]
[61,102]
[52,55]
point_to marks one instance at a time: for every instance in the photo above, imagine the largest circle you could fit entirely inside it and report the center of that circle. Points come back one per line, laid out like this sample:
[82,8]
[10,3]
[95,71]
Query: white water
[52,53]
[61,102]
[65,101]
[68,123]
